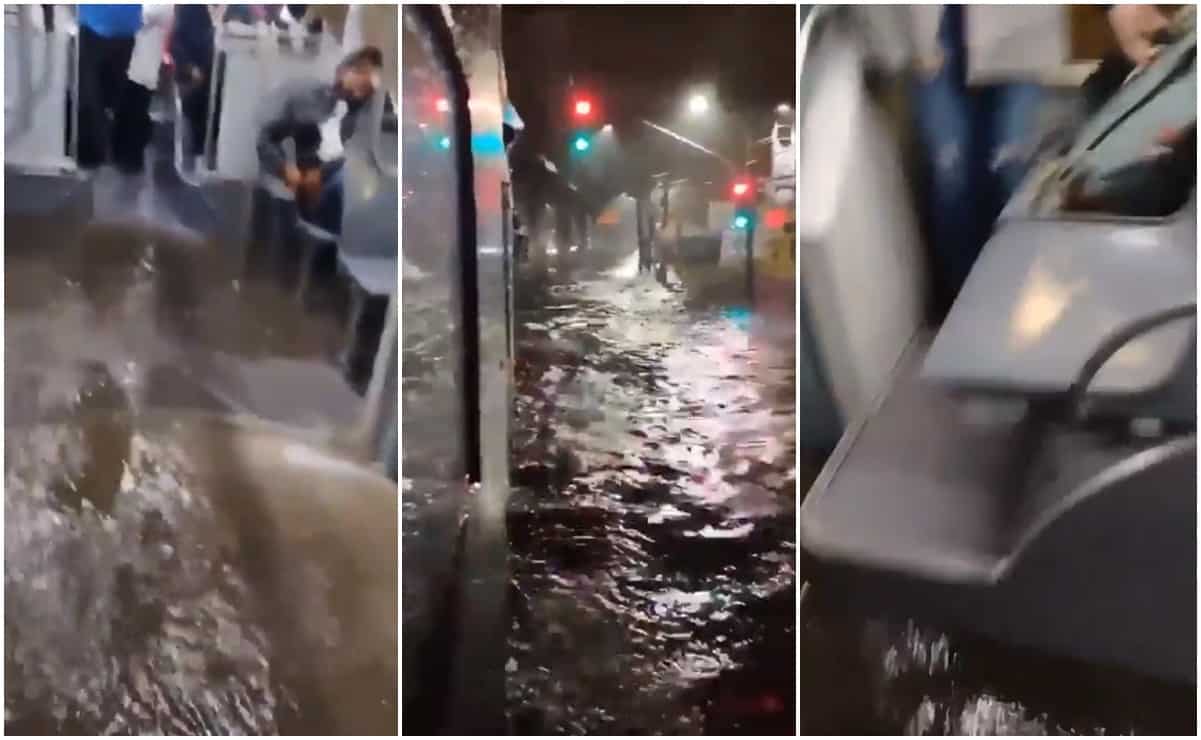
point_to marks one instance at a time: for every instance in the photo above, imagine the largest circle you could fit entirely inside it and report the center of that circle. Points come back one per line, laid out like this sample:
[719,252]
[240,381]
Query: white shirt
[148,45]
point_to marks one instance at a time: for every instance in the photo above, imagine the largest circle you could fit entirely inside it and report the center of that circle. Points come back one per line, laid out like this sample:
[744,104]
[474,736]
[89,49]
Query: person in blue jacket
[106,39]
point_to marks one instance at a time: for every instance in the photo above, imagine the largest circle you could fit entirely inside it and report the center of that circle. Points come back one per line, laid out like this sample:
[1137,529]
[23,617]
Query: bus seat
[861,265]
[1051,289]
[370,192]
[1161,97]
[37,79]
[1044,295]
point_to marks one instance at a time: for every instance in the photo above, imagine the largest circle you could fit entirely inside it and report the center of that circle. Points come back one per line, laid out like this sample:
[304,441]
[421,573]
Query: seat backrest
[369,211]
[1162,96]
[251,69]
[860,263]
[37,77]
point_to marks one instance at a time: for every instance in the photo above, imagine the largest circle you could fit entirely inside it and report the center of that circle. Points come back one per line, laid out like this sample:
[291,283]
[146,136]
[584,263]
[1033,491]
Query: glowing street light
[783,109]
[607,128]
[698,105]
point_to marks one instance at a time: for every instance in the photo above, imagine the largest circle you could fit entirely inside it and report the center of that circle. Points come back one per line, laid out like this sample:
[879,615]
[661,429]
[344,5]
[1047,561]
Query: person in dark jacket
[106,39]
[317,117]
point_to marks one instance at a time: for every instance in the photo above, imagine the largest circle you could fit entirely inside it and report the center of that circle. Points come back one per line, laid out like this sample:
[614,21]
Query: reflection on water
[652,521]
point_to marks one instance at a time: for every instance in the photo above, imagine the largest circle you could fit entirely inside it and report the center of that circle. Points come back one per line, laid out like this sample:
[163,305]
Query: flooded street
[172,561]
[652,516]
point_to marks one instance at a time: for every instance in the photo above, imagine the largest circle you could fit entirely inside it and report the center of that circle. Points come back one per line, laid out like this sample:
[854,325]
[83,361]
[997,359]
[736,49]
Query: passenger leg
[194,101]
[328,213]
[132,132]
[944,113]
[1012,112]
[114,76]
[92,121]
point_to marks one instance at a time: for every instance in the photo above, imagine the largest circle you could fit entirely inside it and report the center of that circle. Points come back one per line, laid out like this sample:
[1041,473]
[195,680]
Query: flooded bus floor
[169,569]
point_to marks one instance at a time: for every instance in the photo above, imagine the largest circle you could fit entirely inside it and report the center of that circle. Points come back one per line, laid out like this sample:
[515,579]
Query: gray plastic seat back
[369,216]
[253,68]
[1163,96]
[37,79]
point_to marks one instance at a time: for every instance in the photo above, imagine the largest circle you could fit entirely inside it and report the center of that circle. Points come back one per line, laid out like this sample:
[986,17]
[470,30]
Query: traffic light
[742,190]
[583,108]
[581,143]
[744,219]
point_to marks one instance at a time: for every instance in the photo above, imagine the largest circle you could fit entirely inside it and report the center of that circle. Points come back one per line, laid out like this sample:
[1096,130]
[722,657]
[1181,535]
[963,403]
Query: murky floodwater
[652,521]
[167,570]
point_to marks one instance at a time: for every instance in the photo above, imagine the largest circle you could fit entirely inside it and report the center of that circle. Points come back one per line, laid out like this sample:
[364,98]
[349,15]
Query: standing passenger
[106,39]
[133,132]
[192,43]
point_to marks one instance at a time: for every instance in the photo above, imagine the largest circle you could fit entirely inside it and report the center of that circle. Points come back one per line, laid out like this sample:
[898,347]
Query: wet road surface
[652,517]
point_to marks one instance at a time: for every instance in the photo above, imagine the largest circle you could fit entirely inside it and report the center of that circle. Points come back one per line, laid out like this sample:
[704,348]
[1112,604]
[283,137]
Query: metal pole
[750,263]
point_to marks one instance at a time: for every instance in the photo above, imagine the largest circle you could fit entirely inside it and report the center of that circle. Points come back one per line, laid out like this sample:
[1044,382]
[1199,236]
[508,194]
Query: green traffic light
[444,142]
[741,222]
[582,144]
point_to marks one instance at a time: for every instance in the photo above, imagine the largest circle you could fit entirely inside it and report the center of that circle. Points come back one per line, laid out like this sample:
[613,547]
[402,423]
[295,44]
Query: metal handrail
[180,122]
[375,140]
[216,75]
[73,142]
[1122,336]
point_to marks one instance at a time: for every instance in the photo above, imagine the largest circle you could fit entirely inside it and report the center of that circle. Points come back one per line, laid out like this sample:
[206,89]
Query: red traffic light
[442,105]
[583,107]
[740,188]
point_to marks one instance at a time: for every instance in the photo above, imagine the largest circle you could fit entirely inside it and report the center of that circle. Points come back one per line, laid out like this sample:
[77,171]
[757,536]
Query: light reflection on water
[652,522]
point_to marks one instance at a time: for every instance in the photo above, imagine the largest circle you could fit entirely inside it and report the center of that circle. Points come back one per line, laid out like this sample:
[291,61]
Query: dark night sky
[641,60]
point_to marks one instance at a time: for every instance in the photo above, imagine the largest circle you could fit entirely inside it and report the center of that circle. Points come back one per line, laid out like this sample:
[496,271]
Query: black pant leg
[132,129]
[195,103]
[93,126]
[116,85]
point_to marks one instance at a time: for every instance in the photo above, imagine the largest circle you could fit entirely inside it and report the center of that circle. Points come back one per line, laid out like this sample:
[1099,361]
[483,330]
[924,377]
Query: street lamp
[783,109]
[698,105]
